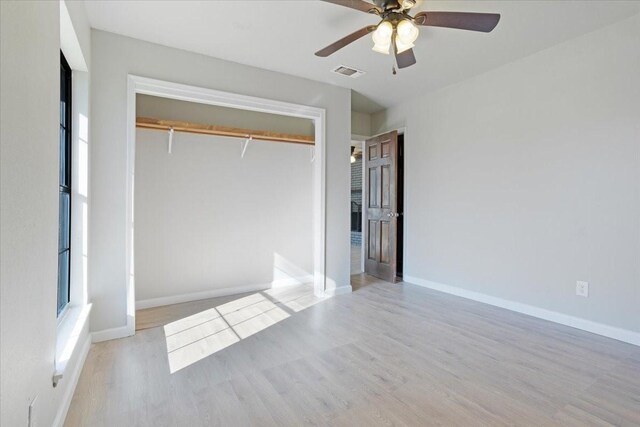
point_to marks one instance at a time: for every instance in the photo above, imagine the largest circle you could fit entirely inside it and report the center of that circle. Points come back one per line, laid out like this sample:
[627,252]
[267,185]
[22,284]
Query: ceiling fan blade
[484,22]
[405,59]
[333,47]
[356,4]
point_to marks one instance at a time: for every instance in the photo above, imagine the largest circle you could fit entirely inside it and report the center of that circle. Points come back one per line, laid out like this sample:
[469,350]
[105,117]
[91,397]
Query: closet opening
[228,196]
[223,201]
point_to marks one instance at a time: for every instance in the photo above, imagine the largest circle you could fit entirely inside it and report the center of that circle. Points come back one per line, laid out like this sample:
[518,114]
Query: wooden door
[380,227]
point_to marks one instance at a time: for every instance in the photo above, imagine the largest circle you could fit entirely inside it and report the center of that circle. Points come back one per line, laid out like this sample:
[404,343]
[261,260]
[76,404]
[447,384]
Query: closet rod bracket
[244,147]
[170,139]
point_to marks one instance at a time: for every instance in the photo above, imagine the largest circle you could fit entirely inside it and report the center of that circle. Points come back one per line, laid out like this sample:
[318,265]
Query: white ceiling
[283,35]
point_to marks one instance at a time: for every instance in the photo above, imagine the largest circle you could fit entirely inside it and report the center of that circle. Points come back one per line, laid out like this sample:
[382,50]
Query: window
[64,220]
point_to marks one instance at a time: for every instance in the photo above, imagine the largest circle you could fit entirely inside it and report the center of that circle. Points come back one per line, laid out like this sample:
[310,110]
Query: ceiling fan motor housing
[396,17]
[388,4]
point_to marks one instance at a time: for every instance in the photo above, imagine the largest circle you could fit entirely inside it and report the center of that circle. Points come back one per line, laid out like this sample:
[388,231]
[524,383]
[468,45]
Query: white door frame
[359,140]
[147,86]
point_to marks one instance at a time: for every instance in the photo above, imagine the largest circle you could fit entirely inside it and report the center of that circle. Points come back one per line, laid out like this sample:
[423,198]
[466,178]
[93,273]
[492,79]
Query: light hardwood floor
[383,355]
[356,259]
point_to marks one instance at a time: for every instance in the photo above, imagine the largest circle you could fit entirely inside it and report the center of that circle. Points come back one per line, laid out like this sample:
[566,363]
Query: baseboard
[72,382]
[112,334]
[222,292]
[619,334]
[292,281]
[338,291]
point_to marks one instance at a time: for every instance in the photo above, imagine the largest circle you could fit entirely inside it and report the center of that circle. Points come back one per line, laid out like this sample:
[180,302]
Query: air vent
[347,71]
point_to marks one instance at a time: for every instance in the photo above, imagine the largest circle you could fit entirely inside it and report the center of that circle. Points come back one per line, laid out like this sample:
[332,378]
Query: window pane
[63,113]
[64,178]
[64,221]
[63,280]
[63,157]
[63,95]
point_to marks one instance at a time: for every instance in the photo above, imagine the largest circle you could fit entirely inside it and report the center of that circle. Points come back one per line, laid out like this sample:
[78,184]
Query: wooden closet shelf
[261,135]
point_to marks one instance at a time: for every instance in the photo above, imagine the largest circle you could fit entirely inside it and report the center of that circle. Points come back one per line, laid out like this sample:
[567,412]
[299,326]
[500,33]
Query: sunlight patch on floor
[198,336]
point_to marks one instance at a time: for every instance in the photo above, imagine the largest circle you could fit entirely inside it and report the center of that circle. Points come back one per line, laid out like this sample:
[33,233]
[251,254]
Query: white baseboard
[222,292]
[338,291]
[292,281]
[72,380]
[112,334]
[619,334]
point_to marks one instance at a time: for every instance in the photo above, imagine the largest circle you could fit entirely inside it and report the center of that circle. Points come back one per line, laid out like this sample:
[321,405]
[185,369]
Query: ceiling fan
[398,29]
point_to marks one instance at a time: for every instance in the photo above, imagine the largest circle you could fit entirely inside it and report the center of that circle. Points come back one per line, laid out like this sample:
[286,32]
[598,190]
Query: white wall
[113,57]
[29,129]
[361,124]
[208,220]
[524,180]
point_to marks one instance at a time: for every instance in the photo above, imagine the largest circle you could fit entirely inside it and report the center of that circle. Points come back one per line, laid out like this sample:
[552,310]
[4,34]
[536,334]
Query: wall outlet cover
[582,289]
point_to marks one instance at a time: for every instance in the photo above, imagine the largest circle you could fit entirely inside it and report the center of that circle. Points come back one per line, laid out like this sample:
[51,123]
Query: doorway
[400,219]
[383,212]
[357,263]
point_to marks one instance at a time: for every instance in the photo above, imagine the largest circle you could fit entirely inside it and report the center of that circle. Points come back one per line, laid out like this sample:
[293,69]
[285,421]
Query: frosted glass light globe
[382,37]
[407,32]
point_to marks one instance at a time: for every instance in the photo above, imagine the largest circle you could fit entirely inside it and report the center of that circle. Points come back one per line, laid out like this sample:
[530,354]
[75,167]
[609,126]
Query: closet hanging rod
[261,135]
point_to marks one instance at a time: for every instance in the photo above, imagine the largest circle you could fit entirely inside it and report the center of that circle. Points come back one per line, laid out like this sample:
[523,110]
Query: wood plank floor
[160,316]
[356,259]
[383,355]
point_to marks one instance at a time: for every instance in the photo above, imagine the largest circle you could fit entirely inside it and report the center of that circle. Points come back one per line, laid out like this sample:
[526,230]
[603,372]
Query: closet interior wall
[210,220]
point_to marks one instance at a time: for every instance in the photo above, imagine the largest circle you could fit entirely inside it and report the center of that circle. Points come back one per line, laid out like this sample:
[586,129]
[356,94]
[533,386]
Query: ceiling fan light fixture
[401,47]
[408,4]
[399,27]
[406,32]
[382,37]
[381,48]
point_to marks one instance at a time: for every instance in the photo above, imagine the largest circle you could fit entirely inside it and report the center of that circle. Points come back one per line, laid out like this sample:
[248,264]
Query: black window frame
[64,178]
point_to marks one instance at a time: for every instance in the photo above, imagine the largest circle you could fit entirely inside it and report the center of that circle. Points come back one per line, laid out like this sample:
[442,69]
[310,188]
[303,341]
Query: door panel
[373,188]
[380,184]
[385,252]
[386,148]
[386,186]
[373,151]
[371,238]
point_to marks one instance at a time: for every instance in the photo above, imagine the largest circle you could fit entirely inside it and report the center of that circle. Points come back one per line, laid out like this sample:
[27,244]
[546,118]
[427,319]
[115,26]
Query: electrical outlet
[31,421]
[582,289]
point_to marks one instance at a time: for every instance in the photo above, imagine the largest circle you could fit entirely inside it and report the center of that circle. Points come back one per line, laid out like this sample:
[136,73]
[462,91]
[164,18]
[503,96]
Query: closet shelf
[261,135]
